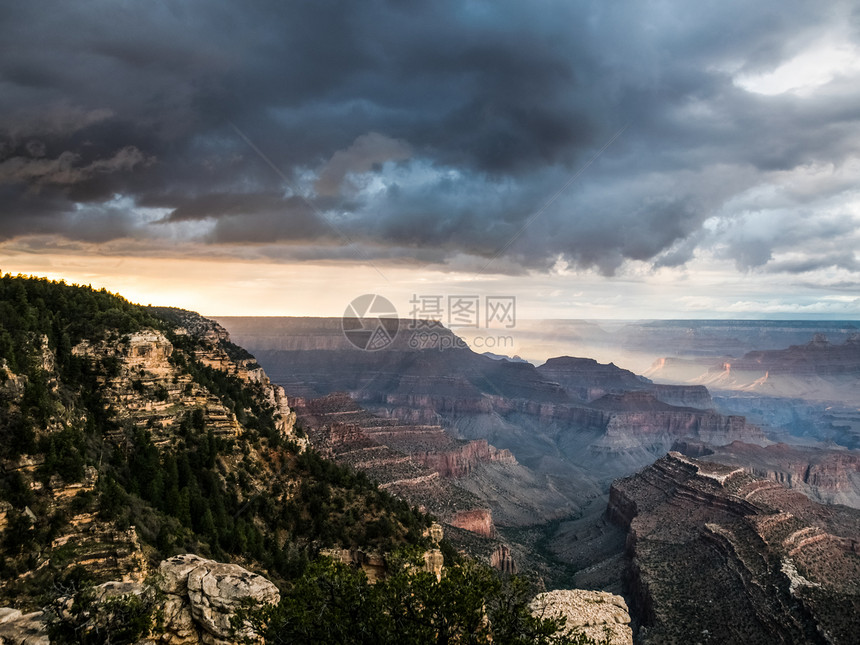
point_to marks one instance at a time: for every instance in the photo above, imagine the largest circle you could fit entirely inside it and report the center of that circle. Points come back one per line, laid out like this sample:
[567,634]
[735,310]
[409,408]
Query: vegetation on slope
[196,492]
[471,603]
[72,454]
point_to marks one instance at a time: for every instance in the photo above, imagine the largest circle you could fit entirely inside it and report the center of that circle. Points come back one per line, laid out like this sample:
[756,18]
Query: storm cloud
[436,131]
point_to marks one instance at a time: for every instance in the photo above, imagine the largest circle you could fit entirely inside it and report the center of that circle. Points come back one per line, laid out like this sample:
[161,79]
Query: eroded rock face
[202,596]
[478,521]
[597,614]
[461,459]
[22,629]
[824,475]
[503,560]
[767,563]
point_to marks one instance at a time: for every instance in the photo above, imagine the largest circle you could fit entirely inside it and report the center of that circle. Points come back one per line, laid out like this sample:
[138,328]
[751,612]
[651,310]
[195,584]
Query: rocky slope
[130,434]
[575,421]
[767,564]
[827,476]
[468,485]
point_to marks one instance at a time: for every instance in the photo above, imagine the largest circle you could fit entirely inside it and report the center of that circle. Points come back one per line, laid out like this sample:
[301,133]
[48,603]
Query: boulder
[22,629]
[179,627]
[205,594]
[174,571]
[596,614]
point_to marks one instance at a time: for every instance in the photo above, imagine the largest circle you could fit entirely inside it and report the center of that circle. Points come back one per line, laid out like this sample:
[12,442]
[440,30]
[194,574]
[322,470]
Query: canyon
[468,485]
[577,471]
[573,421]
[816,371]
[761,564]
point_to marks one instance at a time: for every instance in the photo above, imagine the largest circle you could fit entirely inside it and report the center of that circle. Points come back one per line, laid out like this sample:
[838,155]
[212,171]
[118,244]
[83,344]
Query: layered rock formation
[574,423]
[716,554]
[587,380]
[828,476]
[198,600]
[601,616]
[817,370]
[459,481]
[362,443]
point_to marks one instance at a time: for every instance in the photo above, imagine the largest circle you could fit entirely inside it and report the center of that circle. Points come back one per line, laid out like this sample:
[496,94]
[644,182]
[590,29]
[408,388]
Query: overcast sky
[593,159]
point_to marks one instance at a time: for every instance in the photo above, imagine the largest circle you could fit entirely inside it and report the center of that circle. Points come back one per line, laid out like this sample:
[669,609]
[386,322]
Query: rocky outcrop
[203,595]
[601,616]
[200,598]
[767,562]
[479,521]
[824,475]
[434,562]
[152,389]
[503,560]
[462,459]
[376,567]
[17,628]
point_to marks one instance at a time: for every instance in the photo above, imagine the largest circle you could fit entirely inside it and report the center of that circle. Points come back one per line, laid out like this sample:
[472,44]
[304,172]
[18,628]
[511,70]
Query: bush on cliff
[336,604]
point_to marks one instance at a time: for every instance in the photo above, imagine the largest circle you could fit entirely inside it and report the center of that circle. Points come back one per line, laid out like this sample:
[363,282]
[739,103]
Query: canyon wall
[768,563]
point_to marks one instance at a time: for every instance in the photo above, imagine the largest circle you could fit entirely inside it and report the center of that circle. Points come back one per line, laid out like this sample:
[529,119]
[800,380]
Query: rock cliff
[768,564]
[816,371]
[825,475]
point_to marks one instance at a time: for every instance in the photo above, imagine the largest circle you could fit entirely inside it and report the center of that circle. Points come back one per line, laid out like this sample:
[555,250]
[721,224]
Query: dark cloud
[368,151]
[423,130]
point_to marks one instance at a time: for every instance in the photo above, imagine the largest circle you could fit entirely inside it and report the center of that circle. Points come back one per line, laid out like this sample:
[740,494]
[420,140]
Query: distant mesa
[817,371]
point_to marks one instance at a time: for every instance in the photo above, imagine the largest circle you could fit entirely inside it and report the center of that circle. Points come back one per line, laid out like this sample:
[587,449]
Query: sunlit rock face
[601,616]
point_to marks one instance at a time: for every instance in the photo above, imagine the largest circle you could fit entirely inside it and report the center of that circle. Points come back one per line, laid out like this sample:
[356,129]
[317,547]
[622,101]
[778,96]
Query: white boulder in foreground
[597,614]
